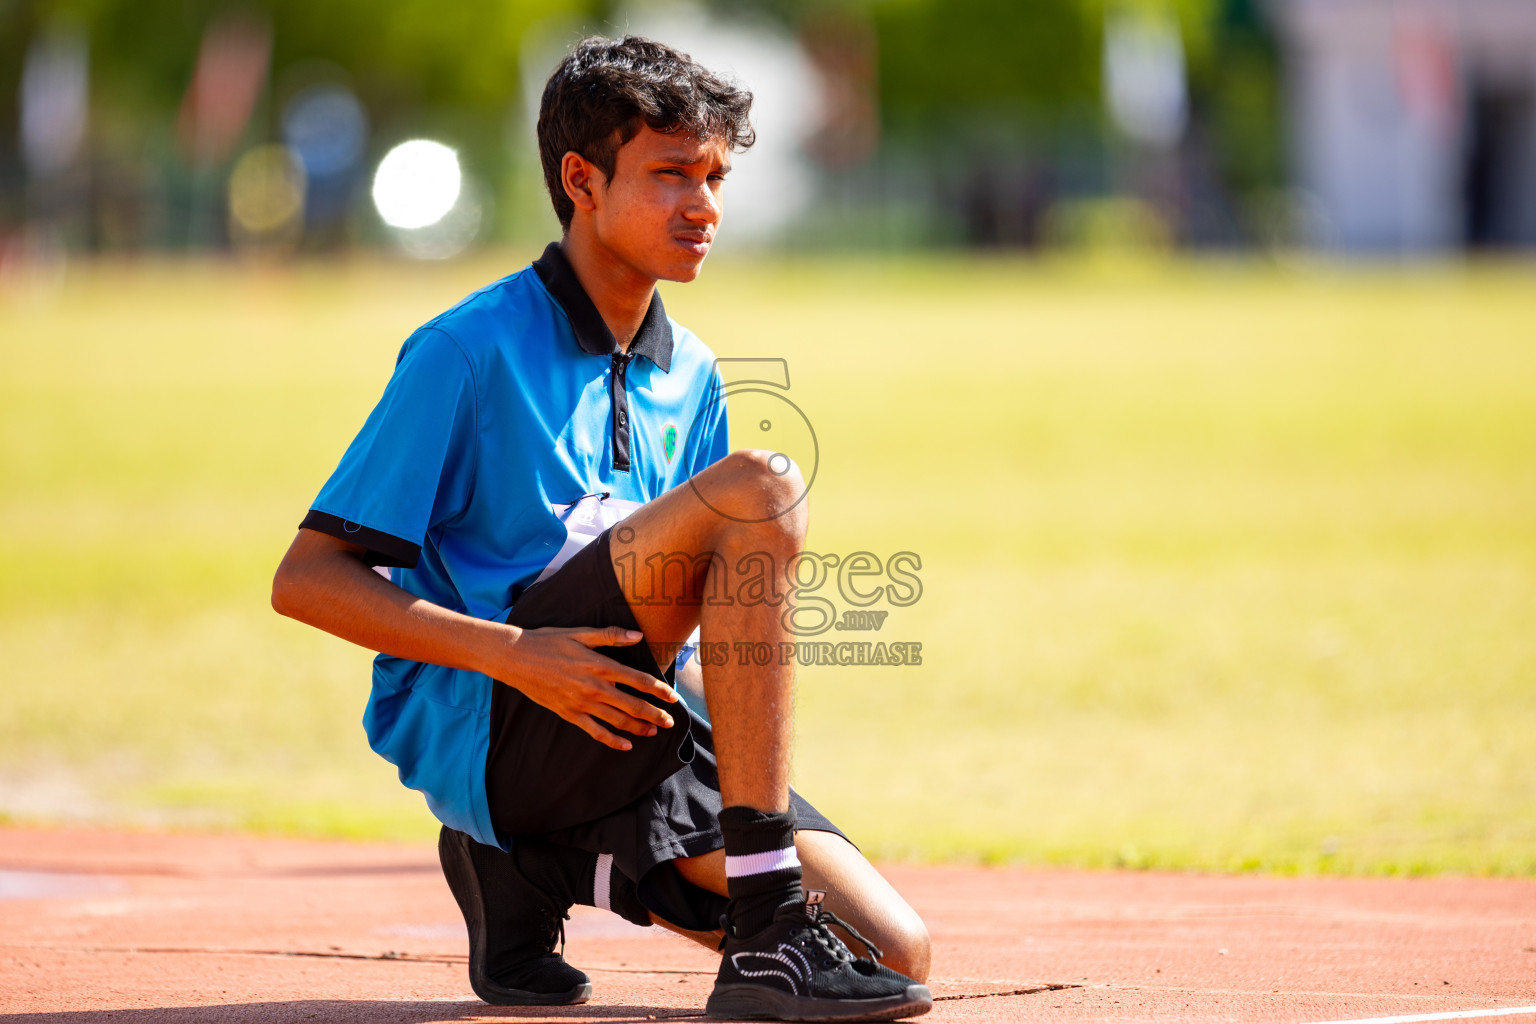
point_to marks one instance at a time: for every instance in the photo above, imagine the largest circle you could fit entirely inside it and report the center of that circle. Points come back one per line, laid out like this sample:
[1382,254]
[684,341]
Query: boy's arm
[323,581]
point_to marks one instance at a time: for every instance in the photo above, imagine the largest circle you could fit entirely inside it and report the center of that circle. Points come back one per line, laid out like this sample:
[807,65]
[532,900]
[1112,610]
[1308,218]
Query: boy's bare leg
[719,548]
[733,535]
[741,518]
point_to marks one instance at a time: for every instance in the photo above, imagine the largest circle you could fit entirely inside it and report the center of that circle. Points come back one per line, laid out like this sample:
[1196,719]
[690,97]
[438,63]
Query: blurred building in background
[285,128]
[1413,122]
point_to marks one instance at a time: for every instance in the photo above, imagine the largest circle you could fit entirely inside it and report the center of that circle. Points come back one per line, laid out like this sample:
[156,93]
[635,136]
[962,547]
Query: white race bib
[586,518]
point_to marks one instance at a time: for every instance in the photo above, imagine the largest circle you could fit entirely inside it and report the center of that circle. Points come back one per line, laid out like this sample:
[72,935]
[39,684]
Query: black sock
[762,871]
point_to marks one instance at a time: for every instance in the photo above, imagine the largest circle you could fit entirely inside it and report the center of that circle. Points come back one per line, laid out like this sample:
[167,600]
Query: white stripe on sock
[600,880]
[761,863]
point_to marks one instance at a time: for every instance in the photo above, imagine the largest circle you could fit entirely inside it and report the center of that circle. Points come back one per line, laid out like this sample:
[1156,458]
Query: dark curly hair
[605,89]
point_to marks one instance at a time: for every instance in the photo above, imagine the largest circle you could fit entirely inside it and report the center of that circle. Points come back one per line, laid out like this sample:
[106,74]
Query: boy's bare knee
[771,472]
[759,488]
[908,949]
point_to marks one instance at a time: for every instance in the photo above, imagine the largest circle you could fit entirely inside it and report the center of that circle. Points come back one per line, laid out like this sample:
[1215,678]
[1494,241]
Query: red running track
[135,928]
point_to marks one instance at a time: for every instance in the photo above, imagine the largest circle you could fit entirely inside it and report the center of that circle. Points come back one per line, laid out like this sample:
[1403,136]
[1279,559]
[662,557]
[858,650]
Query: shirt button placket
[620,411]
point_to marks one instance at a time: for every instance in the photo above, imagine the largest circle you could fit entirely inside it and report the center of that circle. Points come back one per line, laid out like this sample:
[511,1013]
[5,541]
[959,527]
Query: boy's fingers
[637,680]
[656,687]
[611,715]
[659,688]
[634,707]
[595,729]
[607,636]
[618,636]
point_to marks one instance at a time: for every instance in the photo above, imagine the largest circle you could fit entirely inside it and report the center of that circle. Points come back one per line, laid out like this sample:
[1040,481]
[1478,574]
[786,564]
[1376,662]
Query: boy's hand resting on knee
[327,583]
[557,668]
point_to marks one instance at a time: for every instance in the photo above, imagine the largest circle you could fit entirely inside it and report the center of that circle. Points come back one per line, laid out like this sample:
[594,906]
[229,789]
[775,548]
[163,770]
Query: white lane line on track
[1507,1011]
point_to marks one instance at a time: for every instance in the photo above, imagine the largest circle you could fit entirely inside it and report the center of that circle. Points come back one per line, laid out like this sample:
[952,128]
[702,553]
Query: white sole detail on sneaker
[757,1002]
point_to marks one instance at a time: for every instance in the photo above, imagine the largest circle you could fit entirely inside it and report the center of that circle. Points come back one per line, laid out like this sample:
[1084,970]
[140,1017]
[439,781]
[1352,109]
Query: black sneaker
[513,927]
[798,969]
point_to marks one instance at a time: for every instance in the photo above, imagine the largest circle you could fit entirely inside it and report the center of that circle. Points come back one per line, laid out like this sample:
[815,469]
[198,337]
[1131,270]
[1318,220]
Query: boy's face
[660,211]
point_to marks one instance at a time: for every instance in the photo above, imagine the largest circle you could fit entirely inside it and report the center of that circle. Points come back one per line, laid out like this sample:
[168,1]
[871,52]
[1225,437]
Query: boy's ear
[581,178]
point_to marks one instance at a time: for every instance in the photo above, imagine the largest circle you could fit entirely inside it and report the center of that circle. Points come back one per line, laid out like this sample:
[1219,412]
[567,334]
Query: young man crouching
[524,680]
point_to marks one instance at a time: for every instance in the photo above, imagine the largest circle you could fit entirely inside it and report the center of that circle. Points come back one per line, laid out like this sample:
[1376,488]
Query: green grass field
[1224,566]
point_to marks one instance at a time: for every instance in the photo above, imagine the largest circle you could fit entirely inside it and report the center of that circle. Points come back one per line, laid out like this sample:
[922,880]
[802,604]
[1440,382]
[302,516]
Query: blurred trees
[449,67]
[946,63]
[992,111]
[936,57]
[1239,87]
[996,101]
[398,52]
[941,60]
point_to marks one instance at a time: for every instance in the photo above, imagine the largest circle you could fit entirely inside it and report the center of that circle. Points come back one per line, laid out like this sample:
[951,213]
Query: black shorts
[544,776]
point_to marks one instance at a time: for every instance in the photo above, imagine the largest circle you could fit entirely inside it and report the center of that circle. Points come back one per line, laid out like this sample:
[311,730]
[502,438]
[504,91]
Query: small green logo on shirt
[669,441]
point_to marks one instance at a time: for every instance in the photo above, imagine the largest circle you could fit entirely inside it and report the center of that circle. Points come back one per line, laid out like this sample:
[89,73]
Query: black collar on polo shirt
[654,339]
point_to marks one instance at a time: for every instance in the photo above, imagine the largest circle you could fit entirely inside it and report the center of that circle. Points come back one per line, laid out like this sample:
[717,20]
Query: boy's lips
[698,244]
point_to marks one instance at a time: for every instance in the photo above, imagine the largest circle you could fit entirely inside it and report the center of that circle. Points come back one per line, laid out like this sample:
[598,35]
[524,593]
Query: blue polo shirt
[515,400]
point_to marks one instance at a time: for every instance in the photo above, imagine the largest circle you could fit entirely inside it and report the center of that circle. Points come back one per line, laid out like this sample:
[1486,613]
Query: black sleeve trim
[383,548]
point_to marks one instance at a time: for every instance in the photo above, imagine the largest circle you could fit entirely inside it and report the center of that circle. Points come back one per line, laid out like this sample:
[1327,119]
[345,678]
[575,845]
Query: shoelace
[824,936]
[560,926]
[559,918]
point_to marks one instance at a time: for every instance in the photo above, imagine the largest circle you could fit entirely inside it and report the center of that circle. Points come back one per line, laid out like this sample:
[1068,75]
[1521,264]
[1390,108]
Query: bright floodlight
[416,184]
